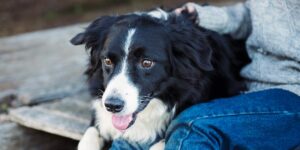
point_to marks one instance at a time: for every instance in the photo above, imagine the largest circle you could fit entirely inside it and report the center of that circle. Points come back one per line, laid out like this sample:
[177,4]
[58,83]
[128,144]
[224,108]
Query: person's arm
[234,20]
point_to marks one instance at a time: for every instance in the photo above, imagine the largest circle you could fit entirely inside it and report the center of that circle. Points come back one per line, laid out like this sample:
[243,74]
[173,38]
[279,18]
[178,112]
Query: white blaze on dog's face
[121,88]
[128,64]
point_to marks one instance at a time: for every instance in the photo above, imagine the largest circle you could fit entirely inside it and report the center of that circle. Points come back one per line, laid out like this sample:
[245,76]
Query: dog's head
[137,57]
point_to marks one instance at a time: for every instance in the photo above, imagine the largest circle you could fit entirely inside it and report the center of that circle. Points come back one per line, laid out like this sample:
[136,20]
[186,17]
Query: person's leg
[121,144]
[261,120]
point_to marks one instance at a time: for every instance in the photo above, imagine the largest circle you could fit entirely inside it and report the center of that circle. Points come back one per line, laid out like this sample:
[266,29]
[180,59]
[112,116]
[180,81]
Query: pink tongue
[121,122]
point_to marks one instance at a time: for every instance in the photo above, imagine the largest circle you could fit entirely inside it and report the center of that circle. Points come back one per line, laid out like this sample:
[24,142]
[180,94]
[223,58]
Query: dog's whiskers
[100,94]
[101,91]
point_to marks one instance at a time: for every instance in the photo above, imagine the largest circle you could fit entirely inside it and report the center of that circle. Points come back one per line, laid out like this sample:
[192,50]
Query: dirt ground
[19,16]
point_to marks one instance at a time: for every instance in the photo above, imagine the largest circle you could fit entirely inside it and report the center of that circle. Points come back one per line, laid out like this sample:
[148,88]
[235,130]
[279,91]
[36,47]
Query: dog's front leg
[91,140]
[159,145]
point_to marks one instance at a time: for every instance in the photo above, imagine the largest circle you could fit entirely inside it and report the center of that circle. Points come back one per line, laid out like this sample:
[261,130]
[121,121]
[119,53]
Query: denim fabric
[120,144]
[265,120]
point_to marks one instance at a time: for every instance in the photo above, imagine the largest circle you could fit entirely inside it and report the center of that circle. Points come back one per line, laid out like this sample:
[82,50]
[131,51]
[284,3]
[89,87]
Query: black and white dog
[148,67]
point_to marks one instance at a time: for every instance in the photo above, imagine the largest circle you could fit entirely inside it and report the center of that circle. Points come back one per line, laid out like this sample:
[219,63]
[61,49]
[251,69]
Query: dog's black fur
[202,64]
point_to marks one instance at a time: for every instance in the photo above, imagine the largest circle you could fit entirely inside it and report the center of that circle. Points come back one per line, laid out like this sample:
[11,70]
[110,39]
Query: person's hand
[188,10]
[188,7]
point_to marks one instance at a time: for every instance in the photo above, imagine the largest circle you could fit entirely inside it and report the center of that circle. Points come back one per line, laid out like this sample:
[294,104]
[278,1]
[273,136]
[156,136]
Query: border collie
[147,68]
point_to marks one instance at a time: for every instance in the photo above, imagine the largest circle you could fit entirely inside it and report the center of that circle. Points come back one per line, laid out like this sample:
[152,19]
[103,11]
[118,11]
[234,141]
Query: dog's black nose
[114,105]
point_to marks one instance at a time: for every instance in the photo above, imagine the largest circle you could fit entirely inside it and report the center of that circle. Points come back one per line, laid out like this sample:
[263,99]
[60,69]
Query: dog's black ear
[78,39]
[95,33]
[189,47]
[94,37]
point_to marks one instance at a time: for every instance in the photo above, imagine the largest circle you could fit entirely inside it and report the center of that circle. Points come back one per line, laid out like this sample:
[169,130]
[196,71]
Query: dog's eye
[146,63]
[107,62]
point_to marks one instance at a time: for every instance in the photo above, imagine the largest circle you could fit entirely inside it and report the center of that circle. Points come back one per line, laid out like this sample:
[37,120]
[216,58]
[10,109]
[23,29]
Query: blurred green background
[18,16]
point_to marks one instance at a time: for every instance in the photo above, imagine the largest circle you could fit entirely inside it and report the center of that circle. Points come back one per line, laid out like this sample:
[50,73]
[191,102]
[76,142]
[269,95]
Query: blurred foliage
[18,16]
[83,7]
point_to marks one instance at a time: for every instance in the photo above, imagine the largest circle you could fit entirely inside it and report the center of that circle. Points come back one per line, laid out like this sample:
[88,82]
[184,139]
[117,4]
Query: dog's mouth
[122,122]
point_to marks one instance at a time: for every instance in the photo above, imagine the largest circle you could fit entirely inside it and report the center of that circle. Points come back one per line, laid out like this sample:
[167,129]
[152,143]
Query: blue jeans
[264,120]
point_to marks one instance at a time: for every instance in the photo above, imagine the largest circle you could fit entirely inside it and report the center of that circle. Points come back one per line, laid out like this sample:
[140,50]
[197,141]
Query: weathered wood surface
[68,117]
[15,137]
[41,66]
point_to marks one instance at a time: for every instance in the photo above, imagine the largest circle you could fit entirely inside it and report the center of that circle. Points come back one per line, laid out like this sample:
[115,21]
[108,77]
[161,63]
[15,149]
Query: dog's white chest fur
[150,123]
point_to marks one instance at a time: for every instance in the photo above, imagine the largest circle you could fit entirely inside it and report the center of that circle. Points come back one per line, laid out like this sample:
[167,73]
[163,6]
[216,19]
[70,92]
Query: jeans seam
[182,140]
[246,113]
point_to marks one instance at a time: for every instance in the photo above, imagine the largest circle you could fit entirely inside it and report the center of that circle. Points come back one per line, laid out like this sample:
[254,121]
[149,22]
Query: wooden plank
[15,137]
[68,118]
[42,66]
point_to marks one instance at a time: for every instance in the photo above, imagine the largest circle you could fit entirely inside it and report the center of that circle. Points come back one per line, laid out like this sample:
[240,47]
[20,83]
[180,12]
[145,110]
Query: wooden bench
[43,74]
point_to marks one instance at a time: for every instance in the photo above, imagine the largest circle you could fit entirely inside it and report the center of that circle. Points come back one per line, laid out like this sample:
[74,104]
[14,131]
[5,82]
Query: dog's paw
[91,140]
[158,146]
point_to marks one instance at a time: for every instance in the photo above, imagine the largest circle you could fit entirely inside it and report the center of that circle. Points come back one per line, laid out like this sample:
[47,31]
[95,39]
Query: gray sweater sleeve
[234,20]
